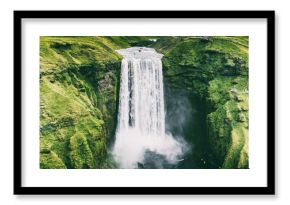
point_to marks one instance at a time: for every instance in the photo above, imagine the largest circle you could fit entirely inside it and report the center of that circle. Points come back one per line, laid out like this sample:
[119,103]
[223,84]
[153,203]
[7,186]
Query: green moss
[216,69]
[78,92]
[51,161]
[81,155]
[236,157]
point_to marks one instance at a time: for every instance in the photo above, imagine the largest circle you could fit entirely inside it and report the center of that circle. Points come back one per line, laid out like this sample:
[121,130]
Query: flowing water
[141,119]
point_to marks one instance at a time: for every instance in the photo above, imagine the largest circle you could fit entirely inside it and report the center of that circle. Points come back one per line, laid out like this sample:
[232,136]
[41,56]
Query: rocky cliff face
[215,71]
[79,84]
[79,79]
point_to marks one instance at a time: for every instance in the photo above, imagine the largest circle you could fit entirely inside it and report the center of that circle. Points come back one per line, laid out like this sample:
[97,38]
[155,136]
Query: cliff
[79,84]
[215,70]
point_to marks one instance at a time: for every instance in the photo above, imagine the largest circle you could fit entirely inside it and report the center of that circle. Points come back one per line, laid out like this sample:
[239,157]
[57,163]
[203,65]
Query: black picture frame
[19,189]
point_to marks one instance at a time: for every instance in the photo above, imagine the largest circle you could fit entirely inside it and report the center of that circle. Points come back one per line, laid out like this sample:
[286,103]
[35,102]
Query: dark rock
[66,122]
[45,150]
[83,90]
[48,128]
[227,121]
[239,99]
[140,165]
[60,138]
[241,118]
[52,80]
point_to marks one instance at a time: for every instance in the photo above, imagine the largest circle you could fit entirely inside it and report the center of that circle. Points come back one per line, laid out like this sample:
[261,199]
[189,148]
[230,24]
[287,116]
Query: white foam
[141,117]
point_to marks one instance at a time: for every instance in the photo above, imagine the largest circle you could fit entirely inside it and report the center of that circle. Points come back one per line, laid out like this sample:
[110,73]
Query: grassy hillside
[214,69]
[78,84]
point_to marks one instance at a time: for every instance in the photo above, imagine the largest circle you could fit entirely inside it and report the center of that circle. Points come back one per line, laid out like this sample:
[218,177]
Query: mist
[143,140]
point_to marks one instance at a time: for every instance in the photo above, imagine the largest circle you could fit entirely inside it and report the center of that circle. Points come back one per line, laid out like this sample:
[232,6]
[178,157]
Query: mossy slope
[78,93]
[214,69]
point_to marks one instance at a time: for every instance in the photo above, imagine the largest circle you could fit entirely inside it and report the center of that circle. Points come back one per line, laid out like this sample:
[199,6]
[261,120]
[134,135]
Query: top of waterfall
[139,53]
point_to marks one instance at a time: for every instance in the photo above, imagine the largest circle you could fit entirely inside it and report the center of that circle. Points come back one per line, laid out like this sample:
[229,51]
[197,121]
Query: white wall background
[282,99]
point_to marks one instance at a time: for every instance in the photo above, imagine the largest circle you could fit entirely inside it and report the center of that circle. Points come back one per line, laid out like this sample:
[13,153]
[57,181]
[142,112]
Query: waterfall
[141,117]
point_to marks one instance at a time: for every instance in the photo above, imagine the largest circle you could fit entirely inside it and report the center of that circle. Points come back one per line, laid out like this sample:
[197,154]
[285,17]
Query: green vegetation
[79,84]
[214,69]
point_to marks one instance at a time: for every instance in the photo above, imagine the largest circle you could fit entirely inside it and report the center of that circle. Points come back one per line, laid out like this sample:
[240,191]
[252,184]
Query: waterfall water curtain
[141,117]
